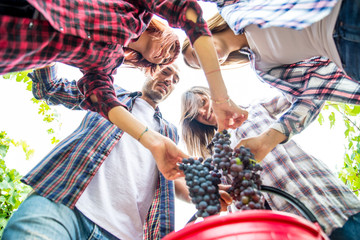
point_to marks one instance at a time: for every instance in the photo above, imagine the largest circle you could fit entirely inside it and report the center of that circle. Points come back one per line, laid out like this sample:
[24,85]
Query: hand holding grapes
[166,154]
[203,178]
[228,114]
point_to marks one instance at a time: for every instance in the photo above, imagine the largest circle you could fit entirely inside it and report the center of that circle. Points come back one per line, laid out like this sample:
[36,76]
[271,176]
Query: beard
[151,94]
[154,96]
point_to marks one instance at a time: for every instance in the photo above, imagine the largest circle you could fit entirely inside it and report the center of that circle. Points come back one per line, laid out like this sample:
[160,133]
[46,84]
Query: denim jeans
[39,218]
[350,230]
[347,37]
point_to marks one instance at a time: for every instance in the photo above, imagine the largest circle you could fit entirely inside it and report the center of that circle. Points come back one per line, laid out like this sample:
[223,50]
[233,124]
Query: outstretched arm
[302,113]
[228,114]
[165,152]
[55,91]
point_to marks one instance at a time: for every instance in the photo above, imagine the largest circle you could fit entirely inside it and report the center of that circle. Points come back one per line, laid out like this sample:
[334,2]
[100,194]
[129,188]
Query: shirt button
[31,24]
[89,37]
[61,29]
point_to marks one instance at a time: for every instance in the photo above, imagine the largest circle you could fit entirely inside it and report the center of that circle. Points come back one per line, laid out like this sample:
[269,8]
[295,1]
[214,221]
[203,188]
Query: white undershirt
[120,194]
[286,46]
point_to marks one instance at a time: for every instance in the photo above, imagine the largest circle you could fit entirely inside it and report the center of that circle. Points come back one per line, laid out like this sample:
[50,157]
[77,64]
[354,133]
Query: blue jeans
[350,230]
[39,218]
[347,37]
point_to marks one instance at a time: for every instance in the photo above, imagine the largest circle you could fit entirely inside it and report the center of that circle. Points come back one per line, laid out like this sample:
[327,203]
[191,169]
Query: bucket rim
[248,216]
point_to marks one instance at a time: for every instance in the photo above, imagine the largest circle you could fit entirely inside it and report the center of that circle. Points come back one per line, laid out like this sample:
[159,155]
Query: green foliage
[49,115]
[350,171]
[20,77]
[12,191]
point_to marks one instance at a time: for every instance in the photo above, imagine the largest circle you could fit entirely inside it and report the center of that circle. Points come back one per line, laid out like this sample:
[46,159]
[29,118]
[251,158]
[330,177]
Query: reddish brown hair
[162,33]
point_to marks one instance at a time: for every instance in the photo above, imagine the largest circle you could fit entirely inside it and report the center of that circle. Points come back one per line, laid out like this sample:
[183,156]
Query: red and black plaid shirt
[90,35]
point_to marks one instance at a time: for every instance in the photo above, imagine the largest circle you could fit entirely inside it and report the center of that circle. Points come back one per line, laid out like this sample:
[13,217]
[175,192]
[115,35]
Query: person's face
[205,112]
[159,54]
[158,87]
[191,58]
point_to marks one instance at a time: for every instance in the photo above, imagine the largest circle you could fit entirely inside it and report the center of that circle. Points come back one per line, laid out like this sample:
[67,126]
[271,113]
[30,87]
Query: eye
[165,61]
[175,80]
[165,72]
[172,48]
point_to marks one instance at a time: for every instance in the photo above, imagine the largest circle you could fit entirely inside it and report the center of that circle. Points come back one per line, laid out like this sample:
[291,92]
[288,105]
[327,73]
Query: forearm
[271,138]
[124,120]
[205,51]
[208,59]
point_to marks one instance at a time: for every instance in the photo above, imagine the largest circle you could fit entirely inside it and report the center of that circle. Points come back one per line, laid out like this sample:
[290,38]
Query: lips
[163,87]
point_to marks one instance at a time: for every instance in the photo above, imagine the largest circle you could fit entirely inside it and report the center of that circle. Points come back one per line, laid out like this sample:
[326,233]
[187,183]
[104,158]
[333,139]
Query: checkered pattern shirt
[65,172]
[296,14]
[308,84]
[89,35]
[289,168]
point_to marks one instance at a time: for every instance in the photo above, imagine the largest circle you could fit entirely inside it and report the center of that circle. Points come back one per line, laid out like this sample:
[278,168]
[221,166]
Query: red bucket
[251,224]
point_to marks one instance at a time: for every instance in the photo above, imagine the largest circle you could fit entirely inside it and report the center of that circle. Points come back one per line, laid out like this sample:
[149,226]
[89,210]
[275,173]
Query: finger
[223,206]
[182,155]
[226,197]
[174,175]
[224,187]
[221,126]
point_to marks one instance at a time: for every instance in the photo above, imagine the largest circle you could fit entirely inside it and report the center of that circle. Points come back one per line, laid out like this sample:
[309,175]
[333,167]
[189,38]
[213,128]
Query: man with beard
[99,180]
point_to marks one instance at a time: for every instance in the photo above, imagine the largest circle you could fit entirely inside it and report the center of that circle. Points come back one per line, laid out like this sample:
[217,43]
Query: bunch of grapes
[202,180]
[246,182]
[238,165]
[203,177]
[222,151]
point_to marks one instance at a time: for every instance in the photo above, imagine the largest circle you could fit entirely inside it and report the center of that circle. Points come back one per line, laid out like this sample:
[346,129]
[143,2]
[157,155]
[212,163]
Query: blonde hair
[197,136]
[217,24]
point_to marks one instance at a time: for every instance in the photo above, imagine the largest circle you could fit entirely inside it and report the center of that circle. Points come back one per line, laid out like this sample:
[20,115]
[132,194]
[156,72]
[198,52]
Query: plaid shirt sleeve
[296,14]
[174,12]
[101,85]
[47,86]
[301,113]
[310,83]
[276,105]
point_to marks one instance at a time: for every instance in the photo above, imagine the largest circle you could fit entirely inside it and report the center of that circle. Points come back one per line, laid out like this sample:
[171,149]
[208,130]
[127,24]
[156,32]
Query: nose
[202,111]
[168,81]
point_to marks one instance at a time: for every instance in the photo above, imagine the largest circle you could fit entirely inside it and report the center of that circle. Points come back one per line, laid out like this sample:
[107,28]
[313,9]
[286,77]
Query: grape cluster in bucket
[237,165]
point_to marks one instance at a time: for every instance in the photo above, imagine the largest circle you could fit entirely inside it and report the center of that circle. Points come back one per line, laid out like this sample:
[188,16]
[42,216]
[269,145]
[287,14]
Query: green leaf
[7,76]
[321,119]
[3,150]
[54,140]
[332,119]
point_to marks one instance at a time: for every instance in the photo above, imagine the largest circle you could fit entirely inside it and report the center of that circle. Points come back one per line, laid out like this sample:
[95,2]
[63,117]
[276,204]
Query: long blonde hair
[197,136]
[217,24]
[159,32]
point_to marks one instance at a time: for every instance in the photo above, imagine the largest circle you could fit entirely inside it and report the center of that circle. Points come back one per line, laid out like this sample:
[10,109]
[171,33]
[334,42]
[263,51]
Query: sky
[19,118]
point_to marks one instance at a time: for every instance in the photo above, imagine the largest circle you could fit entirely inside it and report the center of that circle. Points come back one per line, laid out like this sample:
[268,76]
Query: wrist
[221,101]
[149,139]
[271,138]
[143,132]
